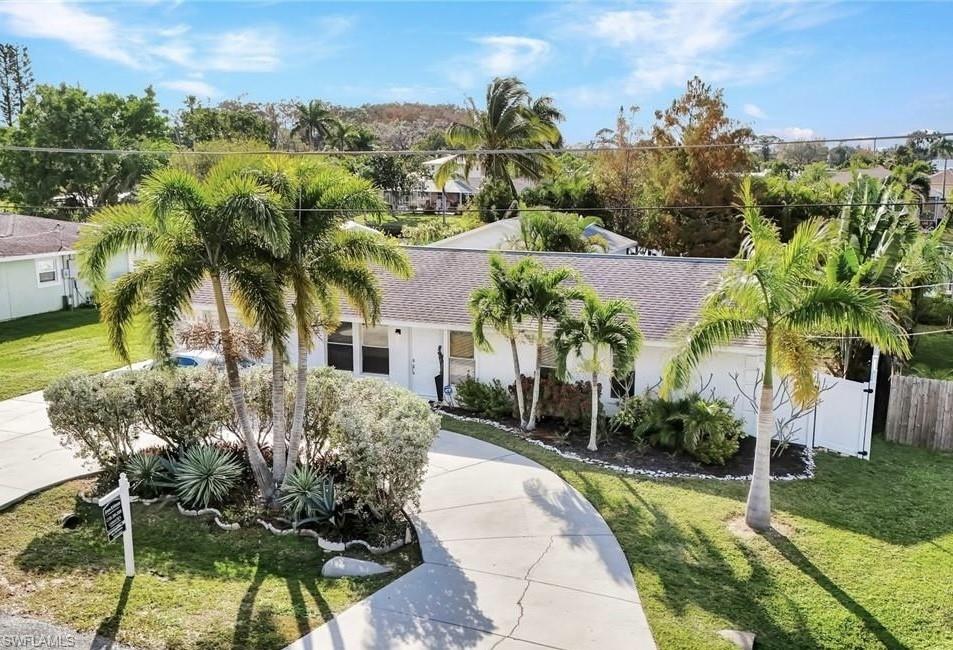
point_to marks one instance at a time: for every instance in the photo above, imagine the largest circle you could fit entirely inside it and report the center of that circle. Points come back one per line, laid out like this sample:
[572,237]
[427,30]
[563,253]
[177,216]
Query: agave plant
[309,496]
[148,473]
[205,474]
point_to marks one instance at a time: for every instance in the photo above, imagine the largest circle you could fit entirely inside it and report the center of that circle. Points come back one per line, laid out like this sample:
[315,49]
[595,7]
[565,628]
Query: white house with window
[38,267]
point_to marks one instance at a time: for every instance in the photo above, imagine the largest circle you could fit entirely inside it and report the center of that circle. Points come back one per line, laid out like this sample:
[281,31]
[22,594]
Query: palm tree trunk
[531,422]
[255,458]
[758,508]
[279,423]
[520,402]
[297,419]
[594,412]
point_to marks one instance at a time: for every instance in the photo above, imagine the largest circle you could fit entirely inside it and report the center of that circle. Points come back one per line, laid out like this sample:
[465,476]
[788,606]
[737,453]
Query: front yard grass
[37,349]
[196,586]
[864,559]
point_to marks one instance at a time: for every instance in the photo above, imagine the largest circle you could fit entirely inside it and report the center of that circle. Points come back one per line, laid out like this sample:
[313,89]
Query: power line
[461,152]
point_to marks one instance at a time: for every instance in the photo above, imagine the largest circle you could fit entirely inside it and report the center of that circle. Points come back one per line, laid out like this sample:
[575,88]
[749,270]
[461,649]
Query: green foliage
[557,231]
[432,230]
[494,201]
[631,412]
[936,310]
[149,474]
[491,400]
[16,80]
[324,394]
[570,187]
[95,414]
[181,407]
[569,403]
[230,120]
[204,475]
[309,495]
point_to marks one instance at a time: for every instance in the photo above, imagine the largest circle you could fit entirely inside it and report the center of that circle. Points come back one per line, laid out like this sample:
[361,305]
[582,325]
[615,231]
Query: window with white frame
[46,274]
[547,362]
[375,355]
[341,347]
[462,357]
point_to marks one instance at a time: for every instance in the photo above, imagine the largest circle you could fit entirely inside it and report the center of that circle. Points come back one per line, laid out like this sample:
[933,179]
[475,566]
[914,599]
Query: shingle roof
[666,290]
[25,235]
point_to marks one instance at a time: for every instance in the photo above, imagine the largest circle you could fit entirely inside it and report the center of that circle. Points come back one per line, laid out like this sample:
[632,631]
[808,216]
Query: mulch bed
[617,449]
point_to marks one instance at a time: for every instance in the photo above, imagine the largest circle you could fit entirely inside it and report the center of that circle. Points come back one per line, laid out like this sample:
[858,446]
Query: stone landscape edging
[808,472]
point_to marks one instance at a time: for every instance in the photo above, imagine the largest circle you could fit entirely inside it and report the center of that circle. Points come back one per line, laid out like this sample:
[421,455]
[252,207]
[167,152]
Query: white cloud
[503,55]
[753,110]
[191,87]
[246,50]
[797,133]
[80,29]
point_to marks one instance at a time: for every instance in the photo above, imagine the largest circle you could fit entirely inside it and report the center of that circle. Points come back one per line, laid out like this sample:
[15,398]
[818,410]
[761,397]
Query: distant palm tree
[216,228]
[602,326]
[557,231]
[912,180]
[324,263]
[778,292]
[315,123]
[499,306]
[507,122]
[544,108]
[344,136]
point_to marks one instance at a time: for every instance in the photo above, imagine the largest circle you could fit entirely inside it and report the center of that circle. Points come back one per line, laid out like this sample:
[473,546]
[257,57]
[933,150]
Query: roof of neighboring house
[22,234]
[495,235]
[666,290]
[937,186]
[844,176]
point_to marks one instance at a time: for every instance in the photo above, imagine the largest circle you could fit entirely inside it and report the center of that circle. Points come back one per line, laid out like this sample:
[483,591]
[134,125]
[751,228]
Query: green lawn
[933,353]
[37,349]
[196,586]
[865,559]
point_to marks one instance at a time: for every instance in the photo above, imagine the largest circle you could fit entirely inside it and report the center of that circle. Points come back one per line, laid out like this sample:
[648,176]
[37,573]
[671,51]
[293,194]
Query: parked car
[201,359]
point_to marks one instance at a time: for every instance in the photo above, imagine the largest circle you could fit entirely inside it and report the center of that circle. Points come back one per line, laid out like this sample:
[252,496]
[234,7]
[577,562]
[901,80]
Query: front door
[425,360]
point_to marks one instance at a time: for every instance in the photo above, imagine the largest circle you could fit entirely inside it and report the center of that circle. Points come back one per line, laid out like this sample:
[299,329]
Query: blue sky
[795,69]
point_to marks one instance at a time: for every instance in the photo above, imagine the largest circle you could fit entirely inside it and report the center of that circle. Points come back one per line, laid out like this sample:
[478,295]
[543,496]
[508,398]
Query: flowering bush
[96,414]
[180,407]
[383,435]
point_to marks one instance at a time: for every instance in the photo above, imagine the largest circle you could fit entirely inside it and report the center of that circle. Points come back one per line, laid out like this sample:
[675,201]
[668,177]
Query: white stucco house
[499,235]
[38,268]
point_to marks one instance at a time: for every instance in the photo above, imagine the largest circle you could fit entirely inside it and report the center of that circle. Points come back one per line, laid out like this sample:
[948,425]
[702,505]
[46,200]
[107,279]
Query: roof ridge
[614,256]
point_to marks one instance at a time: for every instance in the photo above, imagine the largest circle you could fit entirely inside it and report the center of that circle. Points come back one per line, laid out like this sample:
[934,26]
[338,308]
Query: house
[38,269]
[845,176]
[456,193]
[941,189]
[500,234]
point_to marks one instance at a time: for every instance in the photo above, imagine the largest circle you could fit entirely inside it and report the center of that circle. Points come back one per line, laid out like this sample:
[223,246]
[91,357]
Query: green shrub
[493,200]
[432,230]
[95,414]
[490,400]
[149,474]
[710,431]
[205,475]
[570,403]
[181,407]
[309,495]
[325,387]
[936,310]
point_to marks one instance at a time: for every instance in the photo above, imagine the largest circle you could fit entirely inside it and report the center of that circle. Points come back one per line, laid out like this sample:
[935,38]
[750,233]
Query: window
[341,347]
[462,360]
[547,362]
[46,271]
[375,355]
[622,385]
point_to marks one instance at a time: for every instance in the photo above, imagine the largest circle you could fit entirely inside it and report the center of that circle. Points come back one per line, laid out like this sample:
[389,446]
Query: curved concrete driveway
[514,558]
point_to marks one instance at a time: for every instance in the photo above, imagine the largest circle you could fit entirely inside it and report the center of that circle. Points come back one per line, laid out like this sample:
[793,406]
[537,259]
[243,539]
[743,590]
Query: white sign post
[117,517]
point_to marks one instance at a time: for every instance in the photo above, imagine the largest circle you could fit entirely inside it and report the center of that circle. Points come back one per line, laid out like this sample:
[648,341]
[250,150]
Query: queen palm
[499,306]
[507,122]
[324,263]
[606,336]
[778,293]
[545,298]
[215,228]
[315,122]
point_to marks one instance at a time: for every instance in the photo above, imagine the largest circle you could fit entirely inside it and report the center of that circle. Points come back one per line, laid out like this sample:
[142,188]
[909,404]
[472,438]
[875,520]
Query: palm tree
[315,122]
[499,306]
[215,228]
[777,291]
[557,231]
[344,136]
[602,326]
[324,263]
[912,180]
[545,297]
[545,110]
[507,122]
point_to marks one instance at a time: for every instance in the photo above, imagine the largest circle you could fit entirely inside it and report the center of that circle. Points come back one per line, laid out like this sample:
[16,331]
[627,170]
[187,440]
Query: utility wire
[458,152]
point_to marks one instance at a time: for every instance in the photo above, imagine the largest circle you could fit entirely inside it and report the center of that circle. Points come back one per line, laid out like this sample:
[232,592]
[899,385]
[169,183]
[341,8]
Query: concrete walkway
[514,558]
[31,457]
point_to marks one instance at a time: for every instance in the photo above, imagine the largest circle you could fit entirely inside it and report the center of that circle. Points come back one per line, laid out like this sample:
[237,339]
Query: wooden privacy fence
[920,412]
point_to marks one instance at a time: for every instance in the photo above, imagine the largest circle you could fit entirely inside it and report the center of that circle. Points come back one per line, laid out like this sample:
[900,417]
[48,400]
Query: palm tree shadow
[793,554]
[245,619]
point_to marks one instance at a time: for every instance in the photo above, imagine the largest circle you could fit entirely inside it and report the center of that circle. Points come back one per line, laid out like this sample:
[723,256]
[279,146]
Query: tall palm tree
[315,122]
[215,228]
[507,122]
[545,110]
[602,326]
[324,264]
[499,306]
[545,298]
[557,231]
[778,292]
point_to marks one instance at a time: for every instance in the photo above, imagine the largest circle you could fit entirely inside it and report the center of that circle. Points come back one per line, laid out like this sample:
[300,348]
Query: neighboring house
[844,176]
[500,235]
[941,190]
[38,269]
[456,193]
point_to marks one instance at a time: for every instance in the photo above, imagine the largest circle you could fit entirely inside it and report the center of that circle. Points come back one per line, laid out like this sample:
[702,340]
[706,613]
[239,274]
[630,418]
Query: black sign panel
[112,517]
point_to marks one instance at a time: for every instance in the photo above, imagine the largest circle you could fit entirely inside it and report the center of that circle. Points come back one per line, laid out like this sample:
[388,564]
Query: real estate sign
[117,517]
[114,520]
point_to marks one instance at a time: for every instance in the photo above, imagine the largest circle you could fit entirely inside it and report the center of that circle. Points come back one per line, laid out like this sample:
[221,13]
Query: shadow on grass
[49,323]
[106,632]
